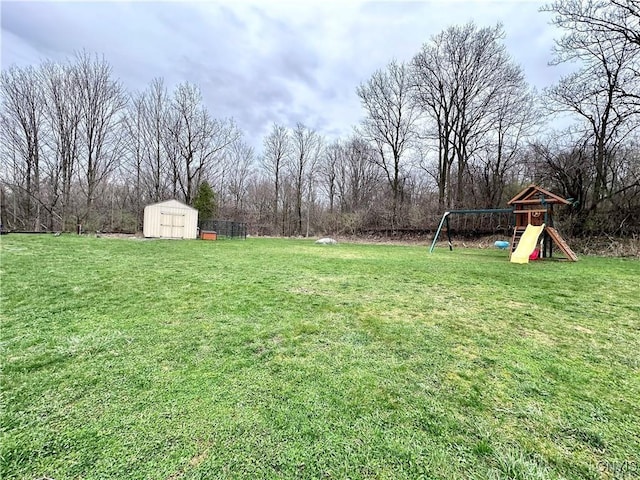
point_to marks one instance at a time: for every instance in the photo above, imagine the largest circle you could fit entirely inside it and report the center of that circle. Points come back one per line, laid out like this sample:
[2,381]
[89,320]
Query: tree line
[456,126]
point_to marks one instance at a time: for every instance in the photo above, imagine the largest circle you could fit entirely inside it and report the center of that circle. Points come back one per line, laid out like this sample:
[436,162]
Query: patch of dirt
[130,236]
[537,335]
[583,329]
[194,462]
[303,291]
[198,459]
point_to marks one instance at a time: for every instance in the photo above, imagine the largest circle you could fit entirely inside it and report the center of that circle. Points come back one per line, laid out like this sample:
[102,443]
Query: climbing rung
[517,234]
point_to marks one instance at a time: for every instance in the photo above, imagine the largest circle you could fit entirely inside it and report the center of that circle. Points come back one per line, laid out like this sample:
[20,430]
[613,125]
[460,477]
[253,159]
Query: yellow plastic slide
[527,244]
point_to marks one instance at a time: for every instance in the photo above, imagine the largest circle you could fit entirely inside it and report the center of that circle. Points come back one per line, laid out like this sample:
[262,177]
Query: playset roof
[534,194]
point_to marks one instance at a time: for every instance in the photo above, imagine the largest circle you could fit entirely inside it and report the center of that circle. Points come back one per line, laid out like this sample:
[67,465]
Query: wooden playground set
[534,234]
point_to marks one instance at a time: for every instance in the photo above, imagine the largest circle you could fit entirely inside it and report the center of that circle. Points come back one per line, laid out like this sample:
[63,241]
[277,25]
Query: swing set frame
[445,221]
[532,206]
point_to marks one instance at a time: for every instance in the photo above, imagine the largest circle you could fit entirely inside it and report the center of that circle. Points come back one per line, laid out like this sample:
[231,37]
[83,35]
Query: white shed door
[171,225]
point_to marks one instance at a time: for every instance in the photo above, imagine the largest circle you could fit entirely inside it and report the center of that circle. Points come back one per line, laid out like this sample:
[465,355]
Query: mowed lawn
[275,358]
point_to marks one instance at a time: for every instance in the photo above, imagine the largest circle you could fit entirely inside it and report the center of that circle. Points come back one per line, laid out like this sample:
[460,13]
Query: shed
[170,219]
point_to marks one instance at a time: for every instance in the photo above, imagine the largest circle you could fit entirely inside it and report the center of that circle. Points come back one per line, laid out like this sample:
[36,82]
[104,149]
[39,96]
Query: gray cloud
[269,61]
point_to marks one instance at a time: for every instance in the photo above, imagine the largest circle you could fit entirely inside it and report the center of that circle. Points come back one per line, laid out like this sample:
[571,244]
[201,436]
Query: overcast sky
[270,60]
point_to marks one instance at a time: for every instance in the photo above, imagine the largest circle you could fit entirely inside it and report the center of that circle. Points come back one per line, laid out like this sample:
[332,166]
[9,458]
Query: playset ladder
[562,245]
[553,235]
[515,240]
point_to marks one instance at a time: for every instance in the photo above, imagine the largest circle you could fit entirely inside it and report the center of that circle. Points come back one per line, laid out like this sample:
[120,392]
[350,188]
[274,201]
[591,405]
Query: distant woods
[79,149]
[456,126]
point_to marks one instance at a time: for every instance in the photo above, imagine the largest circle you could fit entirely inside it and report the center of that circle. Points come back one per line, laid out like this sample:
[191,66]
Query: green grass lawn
[271,358]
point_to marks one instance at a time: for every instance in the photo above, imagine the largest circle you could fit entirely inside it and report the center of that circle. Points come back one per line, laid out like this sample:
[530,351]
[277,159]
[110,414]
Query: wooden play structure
[533,207]
[533,218]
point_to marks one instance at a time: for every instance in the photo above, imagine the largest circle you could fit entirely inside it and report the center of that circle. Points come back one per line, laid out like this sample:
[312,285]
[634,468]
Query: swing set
[532,211]
[444,222]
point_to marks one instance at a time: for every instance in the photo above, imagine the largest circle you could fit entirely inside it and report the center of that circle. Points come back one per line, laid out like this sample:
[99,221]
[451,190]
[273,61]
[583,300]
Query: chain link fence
[224,228]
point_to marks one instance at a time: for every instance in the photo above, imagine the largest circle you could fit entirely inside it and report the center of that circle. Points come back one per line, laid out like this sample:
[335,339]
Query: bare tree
[587,23]
[136,149]
[73,142]
[603,93]
[145,128]
[350,179]
[316,153]
[516,121]
[389,124]
[259,204]
[464,80]
[360,176]
[276,150]
[333,159]
[436,96]
[63,113]
[200,140]
[305,152]
[22,131]
[102,101]
[241,157]
[618,17]
[564,166]
[155,107]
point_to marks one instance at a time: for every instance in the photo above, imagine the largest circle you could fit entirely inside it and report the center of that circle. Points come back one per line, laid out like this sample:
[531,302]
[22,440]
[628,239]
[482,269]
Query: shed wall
[170,220]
